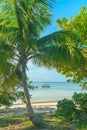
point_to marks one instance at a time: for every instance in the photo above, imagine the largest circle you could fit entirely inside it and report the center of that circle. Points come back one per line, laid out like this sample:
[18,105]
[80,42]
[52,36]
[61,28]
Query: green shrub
[65,109]
[7,99]
[80,119]
[74,110]
[80,116]
[80,100]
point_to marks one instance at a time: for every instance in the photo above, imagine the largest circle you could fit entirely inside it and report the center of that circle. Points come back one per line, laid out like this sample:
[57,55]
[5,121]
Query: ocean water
[56,91]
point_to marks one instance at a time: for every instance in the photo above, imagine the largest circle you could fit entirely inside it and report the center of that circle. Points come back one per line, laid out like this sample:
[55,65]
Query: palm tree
[21,23]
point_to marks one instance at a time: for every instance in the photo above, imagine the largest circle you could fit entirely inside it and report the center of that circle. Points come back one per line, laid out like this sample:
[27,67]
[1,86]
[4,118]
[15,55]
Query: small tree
[78,26]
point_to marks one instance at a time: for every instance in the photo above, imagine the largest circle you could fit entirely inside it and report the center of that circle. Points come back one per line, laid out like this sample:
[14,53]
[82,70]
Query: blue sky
[62,8]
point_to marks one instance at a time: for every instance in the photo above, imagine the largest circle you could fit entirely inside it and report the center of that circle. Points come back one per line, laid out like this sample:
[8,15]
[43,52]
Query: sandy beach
[20,109]
[36,104]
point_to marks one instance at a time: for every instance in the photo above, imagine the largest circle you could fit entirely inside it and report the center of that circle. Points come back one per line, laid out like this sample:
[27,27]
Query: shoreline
[36,104]
[20,109]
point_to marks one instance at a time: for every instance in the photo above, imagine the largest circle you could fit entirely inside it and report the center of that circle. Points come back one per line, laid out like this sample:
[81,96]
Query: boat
[45,86]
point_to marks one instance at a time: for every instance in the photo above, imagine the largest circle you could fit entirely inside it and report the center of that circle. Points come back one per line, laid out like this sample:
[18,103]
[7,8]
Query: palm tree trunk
[35,120]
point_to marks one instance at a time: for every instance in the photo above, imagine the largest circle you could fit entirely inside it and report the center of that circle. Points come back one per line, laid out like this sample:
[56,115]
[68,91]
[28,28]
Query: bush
[80,116]
[6,99]
[65,109]
[80,100]
[74,110]
[80,119]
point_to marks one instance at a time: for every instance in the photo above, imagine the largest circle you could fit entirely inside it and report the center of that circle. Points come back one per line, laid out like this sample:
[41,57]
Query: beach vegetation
[78,26]
[24,123]
[80,116]
[8,96]
[65,109]
[74,110]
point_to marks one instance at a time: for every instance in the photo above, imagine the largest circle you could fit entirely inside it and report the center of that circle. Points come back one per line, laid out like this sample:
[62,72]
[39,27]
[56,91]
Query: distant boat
[45,86]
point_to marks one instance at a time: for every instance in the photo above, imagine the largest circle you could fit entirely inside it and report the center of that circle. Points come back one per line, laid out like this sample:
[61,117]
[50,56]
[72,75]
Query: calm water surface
[56,91]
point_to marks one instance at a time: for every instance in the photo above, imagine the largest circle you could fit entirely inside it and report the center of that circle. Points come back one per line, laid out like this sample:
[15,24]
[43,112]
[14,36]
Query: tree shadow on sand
[17,119]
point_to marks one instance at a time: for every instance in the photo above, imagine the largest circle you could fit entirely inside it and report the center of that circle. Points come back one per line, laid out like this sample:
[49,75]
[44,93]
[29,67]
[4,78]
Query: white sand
[36,104]
[20,109]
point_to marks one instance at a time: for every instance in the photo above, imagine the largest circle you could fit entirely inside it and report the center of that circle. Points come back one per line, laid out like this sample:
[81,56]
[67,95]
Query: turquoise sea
[56,91]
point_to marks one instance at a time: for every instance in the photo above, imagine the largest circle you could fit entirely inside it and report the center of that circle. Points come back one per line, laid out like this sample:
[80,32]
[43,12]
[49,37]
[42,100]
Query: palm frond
[61,48]
[11,78]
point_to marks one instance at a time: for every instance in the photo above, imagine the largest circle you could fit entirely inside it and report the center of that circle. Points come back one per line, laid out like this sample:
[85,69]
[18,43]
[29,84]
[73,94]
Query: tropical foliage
[21,23]
[79,27]
[74,110]
[65,109]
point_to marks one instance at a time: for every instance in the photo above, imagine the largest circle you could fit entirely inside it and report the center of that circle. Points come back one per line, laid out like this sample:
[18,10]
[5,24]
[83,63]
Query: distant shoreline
[50,82]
